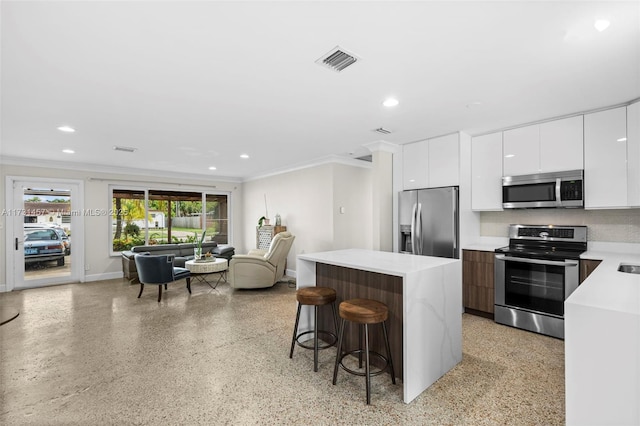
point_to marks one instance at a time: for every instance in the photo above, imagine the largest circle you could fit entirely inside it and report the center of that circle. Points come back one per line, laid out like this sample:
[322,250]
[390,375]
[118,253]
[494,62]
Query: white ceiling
[196,84]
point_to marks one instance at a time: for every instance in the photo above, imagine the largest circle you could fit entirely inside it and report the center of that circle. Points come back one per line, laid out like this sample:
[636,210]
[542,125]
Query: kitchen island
[424,296]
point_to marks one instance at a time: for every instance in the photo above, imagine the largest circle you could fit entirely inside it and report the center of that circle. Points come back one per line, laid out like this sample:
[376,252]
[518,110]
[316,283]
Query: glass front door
[43,229]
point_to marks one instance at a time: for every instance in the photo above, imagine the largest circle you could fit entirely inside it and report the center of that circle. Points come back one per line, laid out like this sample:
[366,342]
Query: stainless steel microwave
[544,190]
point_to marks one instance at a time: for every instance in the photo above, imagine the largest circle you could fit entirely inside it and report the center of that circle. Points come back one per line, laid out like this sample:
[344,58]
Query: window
[217,214]
[151,216]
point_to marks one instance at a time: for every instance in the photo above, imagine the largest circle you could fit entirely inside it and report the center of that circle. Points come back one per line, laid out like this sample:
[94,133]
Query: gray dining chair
[159,270]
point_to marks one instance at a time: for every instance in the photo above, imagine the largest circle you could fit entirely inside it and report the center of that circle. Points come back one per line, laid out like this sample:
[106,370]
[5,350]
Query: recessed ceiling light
[622,140]
[390,102]
[601,24]
[213,168]
[68,151]
[244,156]
[509,156]
[67,129]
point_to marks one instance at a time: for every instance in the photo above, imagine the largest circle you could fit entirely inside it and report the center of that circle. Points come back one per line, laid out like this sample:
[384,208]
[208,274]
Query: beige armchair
[261,268]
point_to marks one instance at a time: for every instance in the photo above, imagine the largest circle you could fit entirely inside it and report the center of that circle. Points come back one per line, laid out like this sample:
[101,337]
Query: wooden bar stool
[364,312]
[316,297]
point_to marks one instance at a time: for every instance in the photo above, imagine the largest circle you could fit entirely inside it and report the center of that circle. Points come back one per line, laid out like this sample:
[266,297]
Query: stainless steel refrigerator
[429,221]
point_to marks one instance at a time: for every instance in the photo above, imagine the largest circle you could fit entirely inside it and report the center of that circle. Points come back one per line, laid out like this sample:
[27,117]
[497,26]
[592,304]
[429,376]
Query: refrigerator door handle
[413,228]
[419,230]
[454,202]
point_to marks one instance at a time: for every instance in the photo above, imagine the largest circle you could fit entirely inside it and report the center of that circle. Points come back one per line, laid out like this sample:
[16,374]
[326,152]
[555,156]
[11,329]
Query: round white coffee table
[200,269]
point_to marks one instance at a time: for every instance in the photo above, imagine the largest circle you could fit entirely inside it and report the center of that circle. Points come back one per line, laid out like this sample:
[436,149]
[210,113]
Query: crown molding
[382,146]
[330,159]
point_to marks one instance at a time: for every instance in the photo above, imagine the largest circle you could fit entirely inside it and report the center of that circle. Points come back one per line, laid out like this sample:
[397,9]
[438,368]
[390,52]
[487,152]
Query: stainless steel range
[535,274]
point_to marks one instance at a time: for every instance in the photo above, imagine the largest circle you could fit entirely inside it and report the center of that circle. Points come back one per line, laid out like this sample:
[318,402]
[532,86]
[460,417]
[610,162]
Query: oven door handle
[537,261]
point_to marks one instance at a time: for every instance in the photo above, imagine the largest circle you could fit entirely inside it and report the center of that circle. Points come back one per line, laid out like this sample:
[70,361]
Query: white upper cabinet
[521,151]
[486,172]
[561,145]
[633,155]
[605,158]
[444,161]
[548,147]
[431,163]
[415,158]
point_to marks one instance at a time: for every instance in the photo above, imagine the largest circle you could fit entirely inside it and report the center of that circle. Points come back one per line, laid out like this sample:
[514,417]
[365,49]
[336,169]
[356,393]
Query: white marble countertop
[606,287]
[377,261]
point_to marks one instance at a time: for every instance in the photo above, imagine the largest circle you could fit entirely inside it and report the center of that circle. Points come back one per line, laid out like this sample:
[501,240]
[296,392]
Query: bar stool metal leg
[360,344]
[315,338]
[295,331]
[335,317]
[339,353]
[386,343]
[367,368]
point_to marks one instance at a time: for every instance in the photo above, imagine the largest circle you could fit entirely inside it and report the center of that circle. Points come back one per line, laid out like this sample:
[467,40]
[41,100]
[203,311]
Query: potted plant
[197,251]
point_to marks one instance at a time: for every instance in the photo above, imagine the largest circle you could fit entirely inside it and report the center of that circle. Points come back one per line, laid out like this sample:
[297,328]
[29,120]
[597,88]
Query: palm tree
[127,209]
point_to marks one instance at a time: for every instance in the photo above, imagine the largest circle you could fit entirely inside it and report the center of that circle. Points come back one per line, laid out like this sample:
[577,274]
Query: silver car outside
[43,245]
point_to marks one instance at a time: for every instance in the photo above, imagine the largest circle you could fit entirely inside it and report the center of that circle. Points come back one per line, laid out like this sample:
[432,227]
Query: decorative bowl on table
[205,259]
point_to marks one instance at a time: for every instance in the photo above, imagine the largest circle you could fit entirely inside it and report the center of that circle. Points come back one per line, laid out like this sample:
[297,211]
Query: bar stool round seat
[316,297]
[364,312]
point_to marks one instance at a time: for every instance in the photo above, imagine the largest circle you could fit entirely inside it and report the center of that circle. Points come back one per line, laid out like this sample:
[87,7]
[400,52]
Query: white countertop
[377,261]
[602,341]
[606,287]
[487,244]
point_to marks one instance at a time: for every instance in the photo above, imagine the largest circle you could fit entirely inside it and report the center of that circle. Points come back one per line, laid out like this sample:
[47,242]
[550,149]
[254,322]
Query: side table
[200,270]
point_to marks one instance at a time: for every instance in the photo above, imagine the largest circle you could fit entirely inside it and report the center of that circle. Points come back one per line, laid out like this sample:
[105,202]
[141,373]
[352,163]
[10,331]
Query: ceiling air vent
[337,59]
[124,148]
[382,131]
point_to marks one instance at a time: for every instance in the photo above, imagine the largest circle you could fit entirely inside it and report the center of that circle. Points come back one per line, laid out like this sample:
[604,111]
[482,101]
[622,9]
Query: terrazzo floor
[92,354]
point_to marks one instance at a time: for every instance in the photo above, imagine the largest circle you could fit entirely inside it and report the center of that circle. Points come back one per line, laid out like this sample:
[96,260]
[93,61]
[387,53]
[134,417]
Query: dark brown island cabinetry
[586,268]
[477,282]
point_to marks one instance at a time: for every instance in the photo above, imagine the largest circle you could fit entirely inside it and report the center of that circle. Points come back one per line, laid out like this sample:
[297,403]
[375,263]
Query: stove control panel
[548,232]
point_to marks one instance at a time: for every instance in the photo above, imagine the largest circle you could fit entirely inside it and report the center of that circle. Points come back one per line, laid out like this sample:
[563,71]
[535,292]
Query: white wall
[352,189]
[308,200]
[383,195]
[303,200]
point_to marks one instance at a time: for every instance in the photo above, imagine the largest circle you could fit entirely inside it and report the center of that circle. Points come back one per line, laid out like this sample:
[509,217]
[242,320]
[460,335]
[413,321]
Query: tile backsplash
[603,225]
